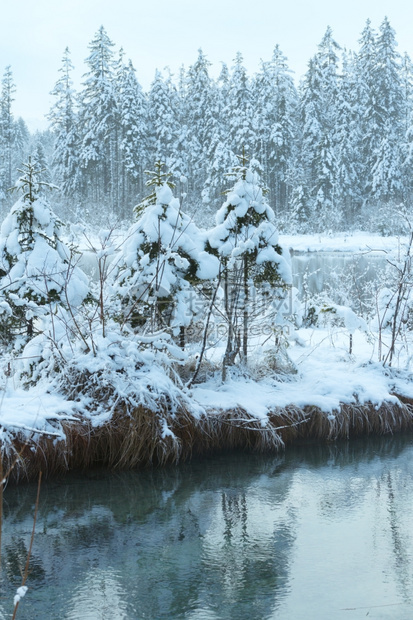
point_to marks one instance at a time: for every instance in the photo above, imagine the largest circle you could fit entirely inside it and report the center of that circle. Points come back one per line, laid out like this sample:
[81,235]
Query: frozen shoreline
[333,395]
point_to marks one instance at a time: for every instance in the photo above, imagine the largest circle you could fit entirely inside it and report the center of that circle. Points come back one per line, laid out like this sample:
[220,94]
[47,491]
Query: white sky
[159,33]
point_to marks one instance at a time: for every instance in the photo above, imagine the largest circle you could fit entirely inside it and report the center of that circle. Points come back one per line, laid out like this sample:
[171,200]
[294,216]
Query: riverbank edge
[146,438]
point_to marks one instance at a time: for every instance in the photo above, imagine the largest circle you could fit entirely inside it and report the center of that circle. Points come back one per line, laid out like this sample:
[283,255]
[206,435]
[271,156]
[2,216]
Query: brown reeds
[140,437]
[355,419]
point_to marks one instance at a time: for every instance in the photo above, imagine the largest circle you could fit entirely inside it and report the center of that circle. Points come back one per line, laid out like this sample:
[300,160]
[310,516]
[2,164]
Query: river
[316,532]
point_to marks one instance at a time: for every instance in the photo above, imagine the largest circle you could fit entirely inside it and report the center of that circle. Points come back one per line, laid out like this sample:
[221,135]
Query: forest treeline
[335,150]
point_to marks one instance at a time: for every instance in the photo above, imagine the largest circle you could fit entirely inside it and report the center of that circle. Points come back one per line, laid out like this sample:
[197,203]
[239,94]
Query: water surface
[318,532]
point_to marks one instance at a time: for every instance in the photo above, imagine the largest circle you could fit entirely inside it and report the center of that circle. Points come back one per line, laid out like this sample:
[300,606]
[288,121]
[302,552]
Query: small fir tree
[246,241]
[161,260]
[36,274]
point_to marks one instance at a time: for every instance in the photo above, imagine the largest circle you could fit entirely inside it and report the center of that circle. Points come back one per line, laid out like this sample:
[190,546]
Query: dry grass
[354,419]
[141,437]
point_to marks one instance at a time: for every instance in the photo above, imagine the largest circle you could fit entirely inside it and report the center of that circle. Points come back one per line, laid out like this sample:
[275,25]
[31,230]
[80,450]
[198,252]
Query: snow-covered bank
[34,411]
[333,394]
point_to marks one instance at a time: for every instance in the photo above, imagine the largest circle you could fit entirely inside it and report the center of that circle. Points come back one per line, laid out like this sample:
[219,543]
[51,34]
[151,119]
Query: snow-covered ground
[326,376]
[33,410]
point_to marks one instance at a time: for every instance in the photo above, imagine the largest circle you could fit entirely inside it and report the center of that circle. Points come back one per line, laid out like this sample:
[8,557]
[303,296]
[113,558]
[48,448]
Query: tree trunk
[245,312]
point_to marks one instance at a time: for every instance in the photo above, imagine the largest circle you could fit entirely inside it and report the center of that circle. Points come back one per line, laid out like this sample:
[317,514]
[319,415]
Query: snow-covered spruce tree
[238,109]
[35,266]
[382,116]
[407,86]
[164,130]
[275,104]
[387,165]
[348,139]
[63,120]
[7,131]
[201,115]
[367,97]
[133,132]
[181,150]
[219,155]
[98,123]
[245,239]
[161,260]
[232,130]
[318,112]
[40,162]
[21,142]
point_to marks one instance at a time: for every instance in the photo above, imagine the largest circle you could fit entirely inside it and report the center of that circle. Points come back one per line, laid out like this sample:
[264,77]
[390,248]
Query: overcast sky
[159,33]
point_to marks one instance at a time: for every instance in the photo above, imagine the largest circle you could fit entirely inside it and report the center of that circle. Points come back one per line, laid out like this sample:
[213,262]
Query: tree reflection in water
[236,536]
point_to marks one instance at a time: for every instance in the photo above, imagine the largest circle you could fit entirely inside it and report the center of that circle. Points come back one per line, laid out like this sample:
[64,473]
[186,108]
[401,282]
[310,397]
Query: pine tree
[34,263]
[246,241]
[63,120]
[407,148]
[406,80]
[238,110]
[163,106]
[201,111]
[99,123]
[21,144]
[386,168]
[276,104]
[218,153]
[161,260]
[348,139]
[40,161]
[184,183]
[133,132]
[62,115]
[318,111]
[220,160]
[7,135]
[368,95]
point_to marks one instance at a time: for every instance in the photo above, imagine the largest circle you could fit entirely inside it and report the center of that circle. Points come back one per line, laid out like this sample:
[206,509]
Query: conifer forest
[334,146]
